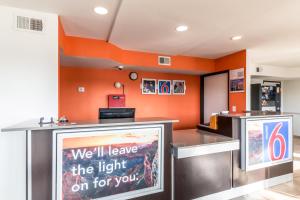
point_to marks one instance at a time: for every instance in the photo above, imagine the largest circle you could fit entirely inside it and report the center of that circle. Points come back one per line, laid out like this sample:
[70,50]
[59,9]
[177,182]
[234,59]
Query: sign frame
[236,76]
[174,84]
[58,135]
[160,91]
[247,167]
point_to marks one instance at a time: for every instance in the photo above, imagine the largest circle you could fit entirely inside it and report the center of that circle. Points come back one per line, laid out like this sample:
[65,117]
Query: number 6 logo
[276,136]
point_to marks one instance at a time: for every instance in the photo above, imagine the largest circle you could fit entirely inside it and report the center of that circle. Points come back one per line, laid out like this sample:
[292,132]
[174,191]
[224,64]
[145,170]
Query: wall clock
[133,76]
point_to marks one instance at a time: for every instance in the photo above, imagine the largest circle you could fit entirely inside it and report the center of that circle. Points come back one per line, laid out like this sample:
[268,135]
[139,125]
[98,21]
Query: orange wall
[234,61]
[92,48]
[99,83]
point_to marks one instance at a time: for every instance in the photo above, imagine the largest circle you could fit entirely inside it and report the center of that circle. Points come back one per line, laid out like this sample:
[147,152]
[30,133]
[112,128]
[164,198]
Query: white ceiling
[270,28]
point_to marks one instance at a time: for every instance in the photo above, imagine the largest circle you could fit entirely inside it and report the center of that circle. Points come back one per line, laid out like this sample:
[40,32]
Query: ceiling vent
[164,60]
[30,24]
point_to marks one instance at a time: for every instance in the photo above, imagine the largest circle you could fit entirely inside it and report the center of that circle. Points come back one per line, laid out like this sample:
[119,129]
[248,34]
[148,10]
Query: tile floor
[287,191]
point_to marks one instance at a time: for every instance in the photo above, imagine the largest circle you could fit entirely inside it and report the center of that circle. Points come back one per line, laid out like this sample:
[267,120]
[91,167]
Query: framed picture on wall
[179,87]
[236,80]
[164,87]
[148,86]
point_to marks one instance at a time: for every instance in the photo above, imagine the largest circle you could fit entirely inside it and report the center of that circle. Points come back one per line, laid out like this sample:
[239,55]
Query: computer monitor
[115,113]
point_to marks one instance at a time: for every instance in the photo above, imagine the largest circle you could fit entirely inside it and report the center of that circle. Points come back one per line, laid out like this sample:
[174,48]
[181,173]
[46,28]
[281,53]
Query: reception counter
[265,157]
[107,159]
[202,163]
[266,145]
[145,159]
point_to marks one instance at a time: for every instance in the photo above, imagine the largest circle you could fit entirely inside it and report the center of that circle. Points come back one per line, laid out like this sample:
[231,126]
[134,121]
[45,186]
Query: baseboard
[247,189]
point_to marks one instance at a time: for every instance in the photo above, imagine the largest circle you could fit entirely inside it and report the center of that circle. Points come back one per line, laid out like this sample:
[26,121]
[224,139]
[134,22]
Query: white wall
[291,99]
[267,72]
[281,72]
[28,89]
[215,95]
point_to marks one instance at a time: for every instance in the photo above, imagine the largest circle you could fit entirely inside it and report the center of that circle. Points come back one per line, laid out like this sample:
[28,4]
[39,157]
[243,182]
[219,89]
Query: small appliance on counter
[63,119]
[115,113]
[116,101]
[43,122]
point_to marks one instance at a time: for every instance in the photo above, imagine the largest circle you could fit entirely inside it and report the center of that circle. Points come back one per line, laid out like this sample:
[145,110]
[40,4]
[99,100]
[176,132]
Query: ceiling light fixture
[182,28]
[238,37]
[101,10]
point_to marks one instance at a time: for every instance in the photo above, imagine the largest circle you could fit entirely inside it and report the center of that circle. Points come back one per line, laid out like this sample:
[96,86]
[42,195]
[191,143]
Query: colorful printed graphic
[269,142]
[110,165]
[236,77]
[148,86]
[179,87]
[255,147]
[276,141]
[236,85]
[164,87]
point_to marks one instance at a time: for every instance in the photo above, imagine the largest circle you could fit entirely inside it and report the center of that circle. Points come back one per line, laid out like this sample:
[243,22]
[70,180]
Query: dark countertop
[34,125]
[256,114]
[194,142]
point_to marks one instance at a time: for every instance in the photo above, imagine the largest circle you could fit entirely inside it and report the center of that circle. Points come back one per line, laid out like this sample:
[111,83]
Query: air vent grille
[31,24]
[23,22]
[36,24]
[164,60]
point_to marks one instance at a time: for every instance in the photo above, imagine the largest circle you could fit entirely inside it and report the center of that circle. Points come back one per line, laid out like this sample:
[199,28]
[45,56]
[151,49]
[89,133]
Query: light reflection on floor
[286,191]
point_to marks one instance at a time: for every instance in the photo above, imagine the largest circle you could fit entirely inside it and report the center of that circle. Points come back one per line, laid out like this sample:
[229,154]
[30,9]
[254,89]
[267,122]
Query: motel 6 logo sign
[276,141]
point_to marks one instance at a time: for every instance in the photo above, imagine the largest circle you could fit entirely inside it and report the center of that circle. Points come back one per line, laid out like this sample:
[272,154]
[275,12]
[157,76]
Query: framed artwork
[164,87]
[179,87]
[236,80]
[148,86]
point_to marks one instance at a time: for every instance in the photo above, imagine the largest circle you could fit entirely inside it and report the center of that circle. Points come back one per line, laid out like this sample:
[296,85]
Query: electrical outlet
[233,108]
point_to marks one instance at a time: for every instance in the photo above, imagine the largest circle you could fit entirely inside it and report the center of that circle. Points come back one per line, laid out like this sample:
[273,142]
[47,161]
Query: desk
[202,163]
[106,159]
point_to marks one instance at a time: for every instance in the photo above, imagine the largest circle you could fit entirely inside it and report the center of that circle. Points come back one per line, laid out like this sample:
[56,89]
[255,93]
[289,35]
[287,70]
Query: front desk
[265,157]
[266,146]
[144,159]
[107,159]
[202,163]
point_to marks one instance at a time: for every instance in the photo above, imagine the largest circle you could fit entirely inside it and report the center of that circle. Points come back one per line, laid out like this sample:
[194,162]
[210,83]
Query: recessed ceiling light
[182,28]
[100,10]
[238,37]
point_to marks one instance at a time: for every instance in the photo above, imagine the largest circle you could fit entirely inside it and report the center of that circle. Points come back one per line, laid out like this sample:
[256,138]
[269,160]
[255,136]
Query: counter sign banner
[269,142]
[109,164]
[276,141]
